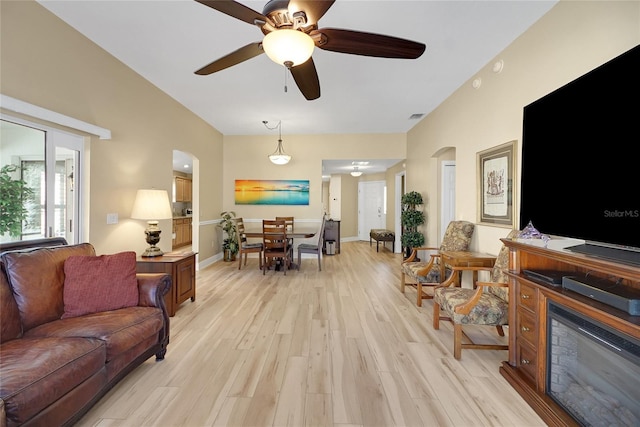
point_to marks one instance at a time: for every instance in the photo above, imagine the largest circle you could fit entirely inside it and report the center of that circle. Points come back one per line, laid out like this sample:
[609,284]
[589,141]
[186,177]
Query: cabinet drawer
[527,327]
[527,358]
[527,297]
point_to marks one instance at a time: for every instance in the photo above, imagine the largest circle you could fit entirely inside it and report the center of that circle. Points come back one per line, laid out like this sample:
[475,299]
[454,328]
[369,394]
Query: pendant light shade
[278,157]
[288,47]
[355,172]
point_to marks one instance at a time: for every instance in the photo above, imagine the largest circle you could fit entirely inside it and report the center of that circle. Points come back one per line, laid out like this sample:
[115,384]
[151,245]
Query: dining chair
[457,237]
[276,248]
[244,247]
[288,221]
[313,248]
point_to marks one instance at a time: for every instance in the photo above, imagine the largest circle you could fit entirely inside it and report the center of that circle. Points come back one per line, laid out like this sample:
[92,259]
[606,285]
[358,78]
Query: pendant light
[355,172]
[278,157]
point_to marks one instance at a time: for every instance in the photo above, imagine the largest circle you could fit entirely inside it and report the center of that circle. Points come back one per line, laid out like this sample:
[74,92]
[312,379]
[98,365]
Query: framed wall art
[496,179]
[272,192]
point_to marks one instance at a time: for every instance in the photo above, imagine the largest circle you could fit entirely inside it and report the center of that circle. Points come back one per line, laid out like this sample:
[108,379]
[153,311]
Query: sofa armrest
[152,288]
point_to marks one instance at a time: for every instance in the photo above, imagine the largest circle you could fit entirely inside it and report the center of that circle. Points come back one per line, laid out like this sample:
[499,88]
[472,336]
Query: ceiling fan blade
[314,9]
[235,10]
[366,44]
[236,57]
[306,78]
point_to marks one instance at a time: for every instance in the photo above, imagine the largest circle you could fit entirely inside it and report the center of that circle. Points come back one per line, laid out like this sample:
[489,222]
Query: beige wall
[570,40]
[47,63]
[245,157]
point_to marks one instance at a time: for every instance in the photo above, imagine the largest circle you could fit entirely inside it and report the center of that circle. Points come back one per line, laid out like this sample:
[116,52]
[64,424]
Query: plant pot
[229,256]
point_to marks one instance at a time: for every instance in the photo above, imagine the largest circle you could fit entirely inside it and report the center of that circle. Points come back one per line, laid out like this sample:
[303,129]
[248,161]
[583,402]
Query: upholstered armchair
[486,304]
[457,237]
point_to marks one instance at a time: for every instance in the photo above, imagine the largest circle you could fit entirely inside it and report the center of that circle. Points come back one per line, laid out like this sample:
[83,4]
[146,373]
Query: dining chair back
[313,248]
[244,247]
[288,222]
[276,248]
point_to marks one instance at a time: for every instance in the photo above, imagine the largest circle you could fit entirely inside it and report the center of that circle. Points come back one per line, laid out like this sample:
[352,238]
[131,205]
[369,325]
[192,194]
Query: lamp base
[153,237]
[152,251]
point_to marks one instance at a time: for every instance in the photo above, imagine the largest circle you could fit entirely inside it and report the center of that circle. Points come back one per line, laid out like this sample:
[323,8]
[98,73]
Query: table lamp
[152,205]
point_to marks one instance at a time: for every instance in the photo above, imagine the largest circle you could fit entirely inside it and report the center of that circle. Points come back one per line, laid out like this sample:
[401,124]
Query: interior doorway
[372,207]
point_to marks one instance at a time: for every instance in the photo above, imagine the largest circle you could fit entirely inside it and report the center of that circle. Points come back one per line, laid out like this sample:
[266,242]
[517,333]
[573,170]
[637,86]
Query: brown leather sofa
[52,372]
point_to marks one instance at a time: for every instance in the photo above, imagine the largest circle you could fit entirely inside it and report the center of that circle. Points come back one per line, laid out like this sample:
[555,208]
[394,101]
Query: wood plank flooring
[339,347]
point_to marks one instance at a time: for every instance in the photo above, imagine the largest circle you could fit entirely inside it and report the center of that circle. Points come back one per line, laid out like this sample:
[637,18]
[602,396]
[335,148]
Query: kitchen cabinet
[184,189]
[182,231]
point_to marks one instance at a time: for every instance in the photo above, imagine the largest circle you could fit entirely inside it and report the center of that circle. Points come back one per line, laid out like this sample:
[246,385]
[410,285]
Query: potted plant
[14,193]
[411,218]
[230,242]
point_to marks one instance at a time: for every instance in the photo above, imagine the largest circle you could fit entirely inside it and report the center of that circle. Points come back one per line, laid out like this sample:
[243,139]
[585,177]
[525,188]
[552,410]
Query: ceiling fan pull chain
[285,79]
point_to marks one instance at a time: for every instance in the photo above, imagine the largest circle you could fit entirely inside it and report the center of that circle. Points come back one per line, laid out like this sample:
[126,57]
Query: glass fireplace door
[593,371]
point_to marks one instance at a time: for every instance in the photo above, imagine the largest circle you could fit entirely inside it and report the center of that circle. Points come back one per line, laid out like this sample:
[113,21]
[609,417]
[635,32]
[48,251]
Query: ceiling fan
[290,29]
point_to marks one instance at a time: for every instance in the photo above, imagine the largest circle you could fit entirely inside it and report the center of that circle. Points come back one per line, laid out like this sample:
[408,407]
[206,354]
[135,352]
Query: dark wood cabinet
[332,234]
[529,301]
[181,268]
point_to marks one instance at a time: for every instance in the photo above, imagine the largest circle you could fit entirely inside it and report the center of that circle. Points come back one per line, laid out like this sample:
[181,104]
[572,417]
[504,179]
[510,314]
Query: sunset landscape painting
[272,192]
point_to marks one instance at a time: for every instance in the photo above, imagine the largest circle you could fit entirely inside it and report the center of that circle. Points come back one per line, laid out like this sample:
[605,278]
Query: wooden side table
[465,259]
[181,268]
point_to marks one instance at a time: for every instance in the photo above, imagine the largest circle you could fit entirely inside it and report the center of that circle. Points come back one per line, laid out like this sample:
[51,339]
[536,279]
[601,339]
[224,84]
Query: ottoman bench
[380,235]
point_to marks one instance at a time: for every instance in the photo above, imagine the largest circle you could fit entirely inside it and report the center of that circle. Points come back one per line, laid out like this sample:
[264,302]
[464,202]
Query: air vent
[416,116]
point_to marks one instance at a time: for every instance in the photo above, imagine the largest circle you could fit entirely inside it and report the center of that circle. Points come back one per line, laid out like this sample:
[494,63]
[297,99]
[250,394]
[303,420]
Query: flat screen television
[580,168]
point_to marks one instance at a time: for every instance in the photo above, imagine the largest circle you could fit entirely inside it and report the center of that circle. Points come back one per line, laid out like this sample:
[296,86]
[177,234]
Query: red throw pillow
[99,283]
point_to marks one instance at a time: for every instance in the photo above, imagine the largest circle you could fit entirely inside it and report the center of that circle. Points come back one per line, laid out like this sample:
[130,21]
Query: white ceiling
[166,41]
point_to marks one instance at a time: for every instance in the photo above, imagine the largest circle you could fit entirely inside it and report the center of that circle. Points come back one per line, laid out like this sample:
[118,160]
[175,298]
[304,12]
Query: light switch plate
[112,218]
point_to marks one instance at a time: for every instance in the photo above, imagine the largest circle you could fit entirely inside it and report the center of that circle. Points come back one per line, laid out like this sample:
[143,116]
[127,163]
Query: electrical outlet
[112,218]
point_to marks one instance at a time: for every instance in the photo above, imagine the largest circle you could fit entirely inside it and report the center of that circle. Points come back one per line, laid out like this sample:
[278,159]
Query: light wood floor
[338,347]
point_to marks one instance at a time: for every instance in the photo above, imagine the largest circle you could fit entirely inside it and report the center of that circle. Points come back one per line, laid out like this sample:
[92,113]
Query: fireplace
[593,370]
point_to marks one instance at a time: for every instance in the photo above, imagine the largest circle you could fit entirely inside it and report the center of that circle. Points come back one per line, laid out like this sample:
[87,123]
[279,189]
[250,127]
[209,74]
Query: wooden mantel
[526,368]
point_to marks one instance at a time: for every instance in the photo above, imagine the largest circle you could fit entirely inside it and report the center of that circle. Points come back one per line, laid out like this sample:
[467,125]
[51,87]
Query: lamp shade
[288,47]
[151,205]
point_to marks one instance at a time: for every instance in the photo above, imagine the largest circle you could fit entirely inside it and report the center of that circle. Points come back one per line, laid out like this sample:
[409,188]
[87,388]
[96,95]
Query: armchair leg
[436,315]
[500,330]
[419,287]
[402,283]
[457,341]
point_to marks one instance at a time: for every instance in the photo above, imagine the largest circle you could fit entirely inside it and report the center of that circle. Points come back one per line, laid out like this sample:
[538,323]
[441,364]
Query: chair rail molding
[22,107]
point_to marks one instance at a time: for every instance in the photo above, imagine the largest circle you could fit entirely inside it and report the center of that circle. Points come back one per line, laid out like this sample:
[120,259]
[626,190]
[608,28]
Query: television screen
[580,171]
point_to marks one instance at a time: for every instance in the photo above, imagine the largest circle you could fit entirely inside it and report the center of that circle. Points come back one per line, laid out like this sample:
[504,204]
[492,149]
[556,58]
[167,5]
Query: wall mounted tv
[580,171]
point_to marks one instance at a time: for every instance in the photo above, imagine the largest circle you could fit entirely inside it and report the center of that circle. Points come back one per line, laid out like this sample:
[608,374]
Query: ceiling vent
[416,116]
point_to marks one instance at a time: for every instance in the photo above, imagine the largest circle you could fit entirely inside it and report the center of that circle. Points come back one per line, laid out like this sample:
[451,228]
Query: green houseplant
[230,242]
[410,219]
[14,193]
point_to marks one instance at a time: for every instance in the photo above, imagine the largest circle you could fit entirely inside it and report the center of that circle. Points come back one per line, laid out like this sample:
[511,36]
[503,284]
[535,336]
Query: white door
[372,211]
[448,212]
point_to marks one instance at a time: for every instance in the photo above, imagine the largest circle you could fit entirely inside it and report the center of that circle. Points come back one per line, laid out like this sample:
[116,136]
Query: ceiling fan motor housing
[278,13]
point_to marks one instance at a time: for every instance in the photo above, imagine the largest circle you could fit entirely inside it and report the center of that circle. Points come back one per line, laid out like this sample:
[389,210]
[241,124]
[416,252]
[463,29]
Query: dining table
[300,232]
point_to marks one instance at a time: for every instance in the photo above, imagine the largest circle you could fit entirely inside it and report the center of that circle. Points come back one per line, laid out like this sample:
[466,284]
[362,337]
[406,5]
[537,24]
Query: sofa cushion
[119,329]
[99,283]
[37,372]
[37,277]
[10,326]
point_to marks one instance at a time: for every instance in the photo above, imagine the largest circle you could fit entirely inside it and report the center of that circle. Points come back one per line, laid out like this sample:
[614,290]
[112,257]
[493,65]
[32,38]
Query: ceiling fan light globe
[354,173]
[288,46]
